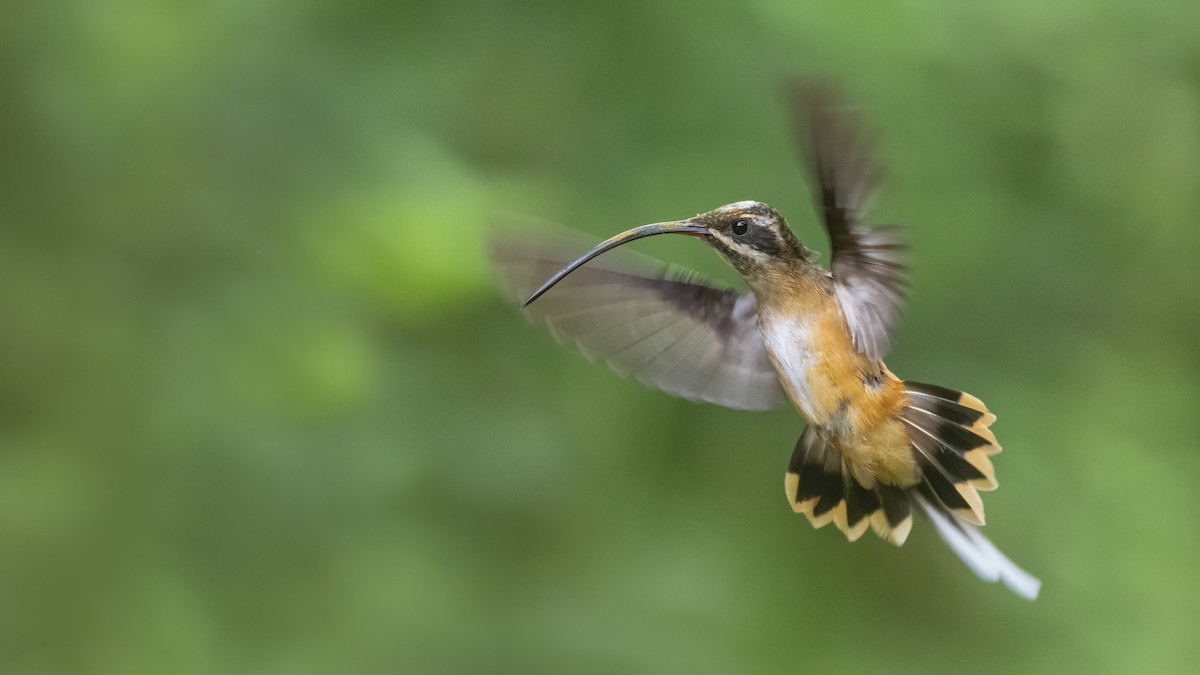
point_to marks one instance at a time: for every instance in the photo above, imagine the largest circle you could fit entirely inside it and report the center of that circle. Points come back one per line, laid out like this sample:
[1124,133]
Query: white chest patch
[790,342]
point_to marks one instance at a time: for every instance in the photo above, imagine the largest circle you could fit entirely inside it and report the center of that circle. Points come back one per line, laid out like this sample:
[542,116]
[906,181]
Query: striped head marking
[751,235]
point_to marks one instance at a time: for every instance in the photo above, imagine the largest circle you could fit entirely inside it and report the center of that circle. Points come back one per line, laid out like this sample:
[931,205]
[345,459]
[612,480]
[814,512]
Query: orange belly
[853,401]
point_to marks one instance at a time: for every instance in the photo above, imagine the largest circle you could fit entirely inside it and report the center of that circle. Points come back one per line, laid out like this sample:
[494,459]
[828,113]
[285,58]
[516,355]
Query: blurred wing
[867,262]
[671,331]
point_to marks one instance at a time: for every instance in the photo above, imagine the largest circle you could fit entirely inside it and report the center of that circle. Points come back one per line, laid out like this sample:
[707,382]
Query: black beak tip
[529,301]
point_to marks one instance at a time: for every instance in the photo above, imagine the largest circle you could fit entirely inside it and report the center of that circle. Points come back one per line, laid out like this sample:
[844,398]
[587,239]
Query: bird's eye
[740,227]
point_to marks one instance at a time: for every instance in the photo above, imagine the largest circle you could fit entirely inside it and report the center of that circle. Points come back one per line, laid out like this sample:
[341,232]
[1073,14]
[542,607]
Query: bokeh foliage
[262,409]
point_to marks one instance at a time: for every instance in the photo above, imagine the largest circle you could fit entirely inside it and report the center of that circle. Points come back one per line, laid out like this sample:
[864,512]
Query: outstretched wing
[867,262]
[671,331]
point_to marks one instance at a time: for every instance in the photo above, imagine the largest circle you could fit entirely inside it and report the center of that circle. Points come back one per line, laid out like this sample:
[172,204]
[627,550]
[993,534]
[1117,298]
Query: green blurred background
[262,409]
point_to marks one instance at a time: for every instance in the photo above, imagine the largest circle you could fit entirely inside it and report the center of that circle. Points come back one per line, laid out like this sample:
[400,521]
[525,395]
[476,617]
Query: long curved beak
[689,227]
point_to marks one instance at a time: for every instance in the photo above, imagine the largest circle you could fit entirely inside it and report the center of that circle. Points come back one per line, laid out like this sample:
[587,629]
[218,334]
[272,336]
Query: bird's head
[751,236]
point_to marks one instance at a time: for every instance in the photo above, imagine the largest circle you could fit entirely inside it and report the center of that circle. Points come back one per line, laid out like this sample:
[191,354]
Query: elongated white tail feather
[977,551]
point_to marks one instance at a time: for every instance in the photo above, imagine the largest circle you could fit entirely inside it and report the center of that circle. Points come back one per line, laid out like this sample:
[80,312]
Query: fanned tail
[952,444]
[820,485]
[949,432]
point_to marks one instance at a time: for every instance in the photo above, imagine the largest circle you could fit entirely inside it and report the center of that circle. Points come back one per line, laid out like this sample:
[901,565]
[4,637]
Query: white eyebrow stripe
[745,205]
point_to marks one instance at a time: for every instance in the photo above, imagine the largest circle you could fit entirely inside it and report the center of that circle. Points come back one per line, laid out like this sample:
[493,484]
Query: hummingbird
[876,448]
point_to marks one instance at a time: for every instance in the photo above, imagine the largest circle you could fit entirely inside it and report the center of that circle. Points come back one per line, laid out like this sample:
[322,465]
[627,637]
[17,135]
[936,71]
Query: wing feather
[671,330]
[868,263]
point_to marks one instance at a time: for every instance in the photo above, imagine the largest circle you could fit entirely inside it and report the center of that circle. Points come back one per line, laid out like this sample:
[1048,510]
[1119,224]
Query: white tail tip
[980,554]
